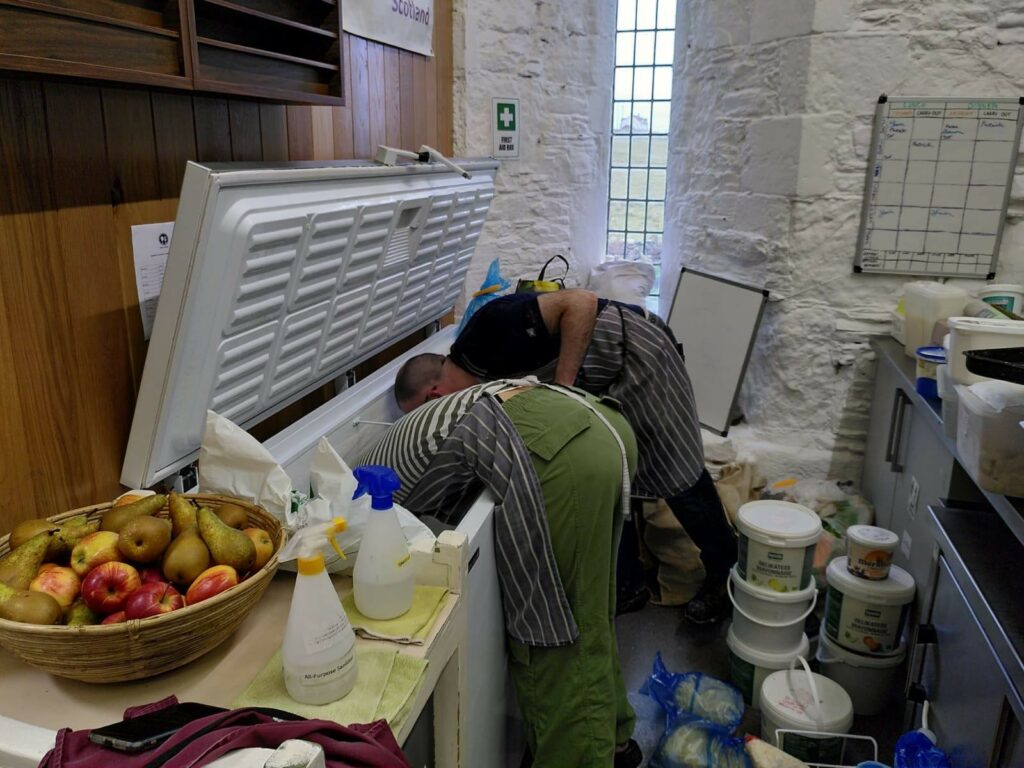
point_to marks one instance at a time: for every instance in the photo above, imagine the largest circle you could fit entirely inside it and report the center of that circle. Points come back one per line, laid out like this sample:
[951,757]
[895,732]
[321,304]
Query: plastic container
[928,359]
[989,438]
[802,700]
[867,616]
[772,622]
[897,326]
[318,653]
[1009,296]
[925,303]
[868,679]
[382,580]
[967,333]
[950,401]
[776,544]
[869,551]
[749,666]
[1006,364]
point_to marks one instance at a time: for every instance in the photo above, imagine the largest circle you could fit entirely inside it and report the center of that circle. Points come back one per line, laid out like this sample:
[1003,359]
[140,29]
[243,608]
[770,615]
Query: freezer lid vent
[279,280]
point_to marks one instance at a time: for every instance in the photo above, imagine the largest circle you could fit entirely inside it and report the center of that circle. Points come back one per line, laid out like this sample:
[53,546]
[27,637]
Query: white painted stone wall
[771,126]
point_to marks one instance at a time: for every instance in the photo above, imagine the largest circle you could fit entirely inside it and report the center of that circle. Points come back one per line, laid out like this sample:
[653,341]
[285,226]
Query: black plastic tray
[1006,364]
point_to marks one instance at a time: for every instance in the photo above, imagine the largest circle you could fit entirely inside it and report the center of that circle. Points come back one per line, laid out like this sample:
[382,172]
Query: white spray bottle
[382,580]
[318,653]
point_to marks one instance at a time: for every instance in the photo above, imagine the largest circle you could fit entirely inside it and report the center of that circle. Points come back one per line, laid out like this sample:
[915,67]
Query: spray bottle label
[318,676]
[327,635]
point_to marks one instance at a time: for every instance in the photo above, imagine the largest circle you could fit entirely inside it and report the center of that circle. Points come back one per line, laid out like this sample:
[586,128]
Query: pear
[71,531]
[234,516]
[80,614]
[19,567]
[26,529]
[183,513]
[28,607]
[143,539]
[227,545]
[115,517]
[185,558]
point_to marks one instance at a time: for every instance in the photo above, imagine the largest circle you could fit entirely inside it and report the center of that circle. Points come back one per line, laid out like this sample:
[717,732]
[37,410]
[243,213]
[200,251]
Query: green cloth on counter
[386,684]
[413,626]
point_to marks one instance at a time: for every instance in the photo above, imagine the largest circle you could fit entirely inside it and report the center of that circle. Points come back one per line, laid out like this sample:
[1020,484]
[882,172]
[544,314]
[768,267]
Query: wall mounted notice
[938,182]
[407,24]
[150,244]
[505,128]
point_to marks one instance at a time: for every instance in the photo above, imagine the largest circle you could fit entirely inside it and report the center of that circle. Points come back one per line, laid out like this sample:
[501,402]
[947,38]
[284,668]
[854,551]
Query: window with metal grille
[641,103]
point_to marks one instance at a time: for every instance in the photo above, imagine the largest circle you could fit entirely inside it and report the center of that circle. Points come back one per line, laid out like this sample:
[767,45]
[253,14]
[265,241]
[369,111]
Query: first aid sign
[505,123]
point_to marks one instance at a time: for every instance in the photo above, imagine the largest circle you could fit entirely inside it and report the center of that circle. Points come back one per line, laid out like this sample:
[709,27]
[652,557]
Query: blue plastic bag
[493,286]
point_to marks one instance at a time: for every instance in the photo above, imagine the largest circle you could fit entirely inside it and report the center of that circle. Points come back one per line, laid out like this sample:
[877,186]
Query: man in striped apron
[608,348]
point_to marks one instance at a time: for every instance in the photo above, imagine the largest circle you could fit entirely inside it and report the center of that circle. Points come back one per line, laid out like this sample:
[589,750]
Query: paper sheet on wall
[407,24]
[150,244]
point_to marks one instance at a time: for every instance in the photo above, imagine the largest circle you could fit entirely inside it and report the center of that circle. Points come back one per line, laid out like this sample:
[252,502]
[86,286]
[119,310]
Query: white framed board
[937,187]
[716,321]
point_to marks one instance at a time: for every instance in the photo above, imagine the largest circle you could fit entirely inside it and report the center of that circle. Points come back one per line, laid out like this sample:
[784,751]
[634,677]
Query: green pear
[185,558]
[183,513]
[28,607]
[71,531]
[80,614]
[115,517]
[228,546]
[19,567]
[26,529]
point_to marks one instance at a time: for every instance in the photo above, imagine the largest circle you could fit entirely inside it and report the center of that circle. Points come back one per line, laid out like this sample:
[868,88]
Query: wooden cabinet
[283,50]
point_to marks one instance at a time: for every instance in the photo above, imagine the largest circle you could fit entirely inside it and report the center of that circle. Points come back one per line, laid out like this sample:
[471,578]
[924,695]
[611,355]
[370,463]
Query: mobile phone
[146,731]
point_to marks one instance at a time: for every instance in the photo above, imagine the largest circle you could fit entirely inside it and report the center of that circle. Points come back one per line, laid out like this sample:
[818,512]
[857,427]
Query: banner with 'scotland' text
[407,24]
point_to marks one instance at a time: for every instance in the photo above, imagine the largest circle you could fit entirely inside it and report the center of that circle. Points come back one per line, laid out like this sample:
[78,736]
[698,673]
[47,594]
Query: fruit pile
[147,555]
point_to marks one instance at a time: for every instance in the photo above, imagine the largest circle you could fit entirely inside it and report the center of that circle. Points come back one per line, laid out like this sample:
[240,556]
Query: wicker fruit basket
[143,647]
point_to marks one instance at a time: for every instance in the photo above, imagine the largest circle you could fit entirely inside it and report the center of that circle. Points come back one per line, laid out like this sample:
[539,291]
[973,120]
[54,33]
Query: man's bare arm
[572,314]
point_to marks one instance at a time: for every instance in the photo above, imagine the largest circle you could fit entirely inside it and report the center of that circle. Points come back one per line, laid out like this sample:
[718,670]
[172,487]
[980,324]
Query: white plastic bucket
[868,679]
[869,551]
[748,667]
[776,544]
[966,333]
[1008,296]
[771,622]
[867,616]
[801,700]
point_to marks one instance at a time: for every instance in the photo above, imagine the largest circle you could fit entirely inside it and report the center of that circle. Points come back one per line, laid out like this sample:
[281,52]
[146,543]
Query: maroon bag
[202,741]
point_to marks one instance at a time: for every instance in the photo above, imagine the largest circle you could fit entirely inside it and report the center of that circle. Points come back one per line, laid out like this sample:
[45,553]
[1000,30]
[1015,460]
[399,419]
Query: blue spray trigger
[379,482]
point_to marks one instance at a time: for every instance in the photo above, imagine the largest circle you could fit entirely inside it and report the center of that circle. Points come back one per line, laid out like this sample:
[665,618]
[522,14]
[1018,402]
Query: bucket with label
[869,551]
[772,622]
[868,679]
[748,666]
[776,544]
[800,700]
[867,616]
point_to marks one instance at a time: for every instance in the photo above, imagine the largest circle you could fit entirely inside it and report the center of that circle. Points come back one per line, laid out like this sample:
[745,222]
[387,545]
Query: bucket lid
[764,659]
[787,696]
[986,325]
[932,354]
[781,523]
[797,596]
[829,650]
[1001,288]
[897,589]
[932,289]
[872,536]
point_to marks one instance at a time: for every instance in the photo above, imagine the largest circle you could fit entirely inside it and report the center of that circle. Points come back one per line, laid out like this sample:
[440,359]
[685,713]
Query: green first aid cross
[506,116]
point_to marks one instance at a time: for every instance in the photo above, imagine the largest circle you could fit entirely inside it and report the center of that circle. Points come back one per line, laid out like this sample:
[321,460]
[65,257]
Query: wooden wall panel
[83,163]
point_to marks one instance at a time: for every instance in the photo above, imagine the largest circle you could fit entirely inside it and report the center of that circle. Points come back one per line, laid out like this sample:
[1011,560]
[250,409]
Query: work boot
[628,602]
[709,605]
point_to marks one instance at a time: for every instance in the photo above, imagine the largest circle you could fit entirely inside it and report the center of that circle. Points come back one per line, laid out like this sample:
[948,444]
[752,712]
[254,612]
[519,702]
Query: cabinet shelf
[272,18]
[261,52]
[89,16]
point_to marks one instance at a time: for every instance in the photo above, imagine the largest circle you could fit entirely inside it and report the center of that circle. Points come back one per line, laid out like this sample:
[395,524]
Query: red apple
[152,599]
[114,618]
[58,581]
[211,582]
[93,550]
[106,587]
[151,574]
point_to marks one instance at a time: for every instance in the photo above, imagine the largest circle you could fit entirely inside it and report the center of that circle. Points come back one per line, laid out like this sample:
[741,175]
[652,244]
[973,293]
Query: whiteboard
[938,182]
[716,320]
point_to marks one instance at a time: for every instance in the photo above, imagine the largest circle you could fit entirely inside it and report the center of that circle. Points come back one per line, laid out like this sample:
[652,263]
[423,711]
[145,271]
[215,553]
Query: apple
[151,574]
[58,581]
[94,549]
[211,582]
[106,587]
[152,599]
[114,618]
[264,546]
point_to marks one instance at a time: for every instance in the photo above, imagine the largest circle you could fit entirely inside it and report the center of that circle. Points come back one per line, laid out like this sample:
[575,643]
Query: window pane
[643,83]
[627,14]
[641,146]
[619,182]
[616,215]
[660,113]
[644,48]
[624,48]
[638,184]
[659,151]
[645,14]
[666,14]
[641,117]
[624,84]
[637,216]
[616,244]
[662,83]
[665,50]
[634,245]
[653,247]
[620,151]
[621,119]
[655,217]
[656,189]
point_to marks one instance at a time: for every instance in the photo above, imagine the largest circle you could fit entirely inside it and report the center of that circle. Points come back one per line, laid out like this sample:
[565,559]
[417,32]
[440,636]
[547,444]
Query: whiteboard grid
[938,183]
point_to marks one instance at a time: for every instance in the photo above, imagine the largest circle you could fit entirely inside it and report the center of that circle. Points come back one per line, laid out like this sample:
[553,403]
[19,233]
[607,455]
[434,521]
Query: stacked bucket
[866,607]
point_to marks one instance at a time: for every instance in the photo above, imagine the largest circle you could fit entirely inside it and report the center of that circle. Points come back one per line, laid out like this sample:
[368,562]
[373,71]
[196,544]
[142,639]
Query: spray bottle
[382,580]
[318,652]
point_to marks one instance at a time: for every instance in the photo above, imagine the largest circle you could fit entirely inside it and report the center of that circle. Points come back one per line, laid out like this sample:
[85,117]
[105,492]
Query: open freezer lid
[282,277]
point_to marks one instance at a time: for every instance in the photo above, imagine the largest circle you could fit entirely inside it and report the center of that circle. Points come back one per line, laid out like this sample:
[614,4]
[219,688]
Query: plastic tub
[801,700]
[868,679]
[989,439]
[924,304]
[869,551]
[928,359]
[772,622]
[1008,296]
[748,666]
[967,333]
[776,544]
[950,401]
[867,616]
